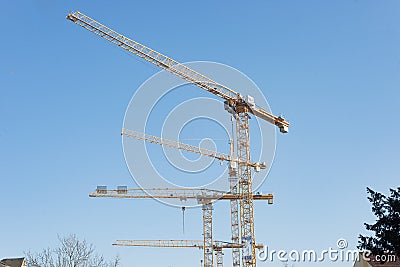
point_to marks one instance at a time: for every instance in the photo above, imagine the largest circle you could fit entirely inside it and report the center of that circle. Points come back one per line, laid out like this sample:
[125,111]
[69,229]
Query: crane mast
[234,204]
[245,188]
[241,107]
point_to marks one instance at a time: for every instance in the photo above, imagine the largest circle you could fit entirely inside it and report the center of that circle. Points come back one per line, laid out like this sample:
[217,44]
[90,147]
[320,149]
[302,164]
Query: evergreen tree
[387,226]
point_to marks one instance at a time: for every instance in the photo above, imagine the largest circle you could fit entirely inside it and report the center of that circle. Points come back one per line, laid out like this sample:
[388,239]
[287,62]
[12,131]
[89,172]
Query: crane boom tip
[71,17]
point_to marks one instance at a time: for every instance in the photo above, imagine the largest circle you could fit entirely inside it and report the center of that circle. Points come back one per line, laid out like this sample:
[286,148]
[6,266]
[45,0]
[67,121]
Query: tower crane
[204,196]
[233,180]
[241,107]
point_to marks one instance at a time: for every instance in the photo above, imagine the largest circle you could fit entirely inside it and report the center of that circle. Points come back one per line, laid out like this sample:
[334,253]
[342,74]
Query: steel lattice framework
[245,188]
[218,246]
[172,193]
[186,147]
[173,244]
[207,232]
[241,108]
[205,197]
[234,205]
[172,66]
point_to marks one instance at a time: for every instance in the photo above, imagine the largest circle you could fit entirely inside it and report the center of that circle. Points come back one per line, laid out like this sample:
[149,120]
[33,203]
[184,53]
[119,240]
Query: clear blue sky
[332,67]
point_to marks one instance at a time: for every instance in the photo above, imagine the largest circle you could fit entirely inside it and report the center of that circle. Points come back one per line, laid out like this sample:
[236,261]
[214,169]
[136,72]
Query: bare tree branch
[71,253]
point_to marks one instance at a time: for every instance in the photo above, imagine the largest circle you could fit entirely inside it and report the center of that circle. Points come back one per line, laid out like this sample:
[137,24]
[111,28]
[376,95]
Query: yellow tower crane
[205,197]
[207,210]
[237,104]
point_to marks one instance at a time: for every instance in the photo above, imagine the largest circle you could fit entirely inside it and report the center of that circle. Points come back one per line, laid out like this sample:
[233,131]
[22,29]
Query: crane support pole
[245,190]
[234,205]
[220,257]
[207,233]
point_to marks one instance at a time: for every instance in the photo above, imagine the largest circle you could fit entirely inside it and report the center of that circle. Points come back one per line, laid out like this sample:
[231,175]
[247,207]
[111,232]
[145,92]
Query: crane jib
[172,66]
[159,59]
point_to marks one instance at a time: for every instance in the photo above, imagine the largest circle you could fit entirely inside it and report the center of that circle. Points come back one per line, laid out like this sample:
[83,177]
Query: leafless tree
[71,253]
